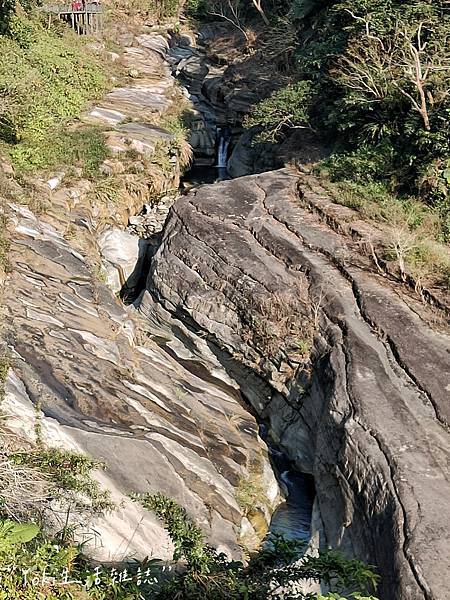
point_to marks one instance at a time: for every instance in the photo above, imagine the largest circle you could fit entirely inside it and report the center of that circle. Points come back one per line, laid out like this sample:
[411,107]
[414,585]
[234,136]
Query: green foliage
[85,148]
[210,576]
[46,78]
[5,363]
[34,565]
[69,473]
[250,492]
[157,9]
[16,533]
[186,536]
[6,11]
[285,109]
[375,78]
[4,250]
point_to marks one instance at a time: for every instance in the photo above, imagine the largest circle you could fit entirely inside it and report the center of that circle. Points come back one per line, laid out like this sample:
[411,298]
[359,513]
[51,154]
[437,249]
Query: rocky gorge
[252,301]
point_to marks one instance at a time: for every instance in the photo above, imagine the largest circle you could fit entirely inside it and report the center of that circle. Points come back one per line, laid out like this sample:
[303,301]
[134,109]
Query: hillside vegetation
[47,77]
[373,78]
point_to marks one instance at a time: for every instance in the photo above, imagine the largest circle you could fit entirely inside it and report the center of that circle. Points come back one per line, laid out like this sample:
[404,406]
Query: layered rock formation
[96,377]
[245,260]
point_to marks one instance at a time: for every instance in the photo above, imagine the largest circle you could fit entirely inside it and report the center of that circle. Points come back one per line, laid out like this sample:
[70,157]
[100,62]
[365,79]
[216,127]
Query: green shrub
[34,565]
[46,78]
[188,538]
[374,83]
[85,148]
[69,474]
[158,9]
[284,110]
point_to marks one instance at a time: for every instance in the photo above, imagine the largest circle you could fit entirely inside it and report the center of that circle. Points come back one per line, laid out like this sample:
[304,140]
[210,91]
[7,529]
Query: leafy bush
[285,109]
[157,9]
[84,148]
[33,565]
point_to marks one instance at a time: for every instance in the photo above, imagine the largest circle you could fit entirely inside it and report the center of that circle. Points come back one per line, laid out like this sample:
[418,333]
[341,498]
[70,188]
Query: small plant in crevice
[250,491]
[5,364]
[276,571]
[282,324]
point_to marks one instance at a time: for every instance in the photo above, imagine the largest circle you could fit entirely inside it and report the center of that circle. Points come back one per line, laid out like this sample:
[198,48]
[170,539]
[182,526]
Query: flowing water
[202,174]
[292,518]
[222,152]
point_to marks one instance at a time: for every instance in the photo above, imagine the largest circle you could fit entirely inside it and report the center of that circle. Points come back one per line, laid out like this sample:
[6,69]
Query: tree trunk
[257,5]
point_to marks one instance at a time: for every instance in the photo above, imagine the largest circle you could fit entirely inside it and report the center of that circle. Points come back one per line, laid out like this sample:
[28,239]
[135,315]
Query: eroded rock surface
[98,378]
[369,416]
[119,396]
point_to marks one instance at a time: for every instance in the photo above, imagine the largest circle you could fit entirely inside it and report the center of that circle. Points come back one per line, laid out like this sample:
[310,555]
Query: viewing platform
[86,18]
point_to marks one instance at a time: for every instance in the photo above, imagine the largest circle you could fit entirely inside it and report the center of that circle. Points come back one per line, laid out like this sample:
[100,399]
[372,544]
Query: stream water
[222,150]
[292,518]
[201,174]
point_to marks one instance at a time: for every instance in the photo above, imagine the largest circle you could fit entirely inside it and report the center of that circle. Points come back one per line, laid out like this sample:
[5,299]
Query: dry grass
[105,191]
[283,323]
[411,232]
[23,489]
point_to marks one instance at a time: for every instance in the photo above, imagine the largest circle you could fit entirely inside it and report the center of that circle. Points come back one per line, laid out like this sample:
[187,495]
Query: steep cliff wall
[357,392]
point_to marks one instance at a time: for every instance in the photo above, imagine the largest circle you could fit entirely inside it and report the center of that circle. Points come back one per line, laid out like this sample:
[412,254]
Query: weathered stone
[103,381]
[133,404]
[372,422]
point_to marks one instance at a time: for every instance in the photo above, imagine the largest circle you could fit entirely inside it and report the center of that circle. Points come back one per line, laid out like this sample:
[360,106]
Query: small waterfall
[222,148]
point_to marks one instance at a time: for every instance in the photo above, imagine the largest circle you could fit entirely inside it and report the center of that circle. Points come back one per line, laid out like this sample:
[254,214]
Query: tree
[234,11]
[409,60]
[258,5]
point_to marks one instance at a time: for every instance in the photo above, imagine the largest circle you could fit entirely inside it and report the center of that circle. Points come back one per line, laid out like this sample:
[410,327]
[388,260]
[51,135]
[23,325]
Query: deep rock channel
[171,390]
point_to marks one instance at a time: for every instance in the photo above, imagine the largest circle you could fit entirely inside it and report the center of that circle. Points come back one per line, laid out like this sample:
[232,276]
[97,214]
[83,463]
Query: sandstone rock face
[369,417]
